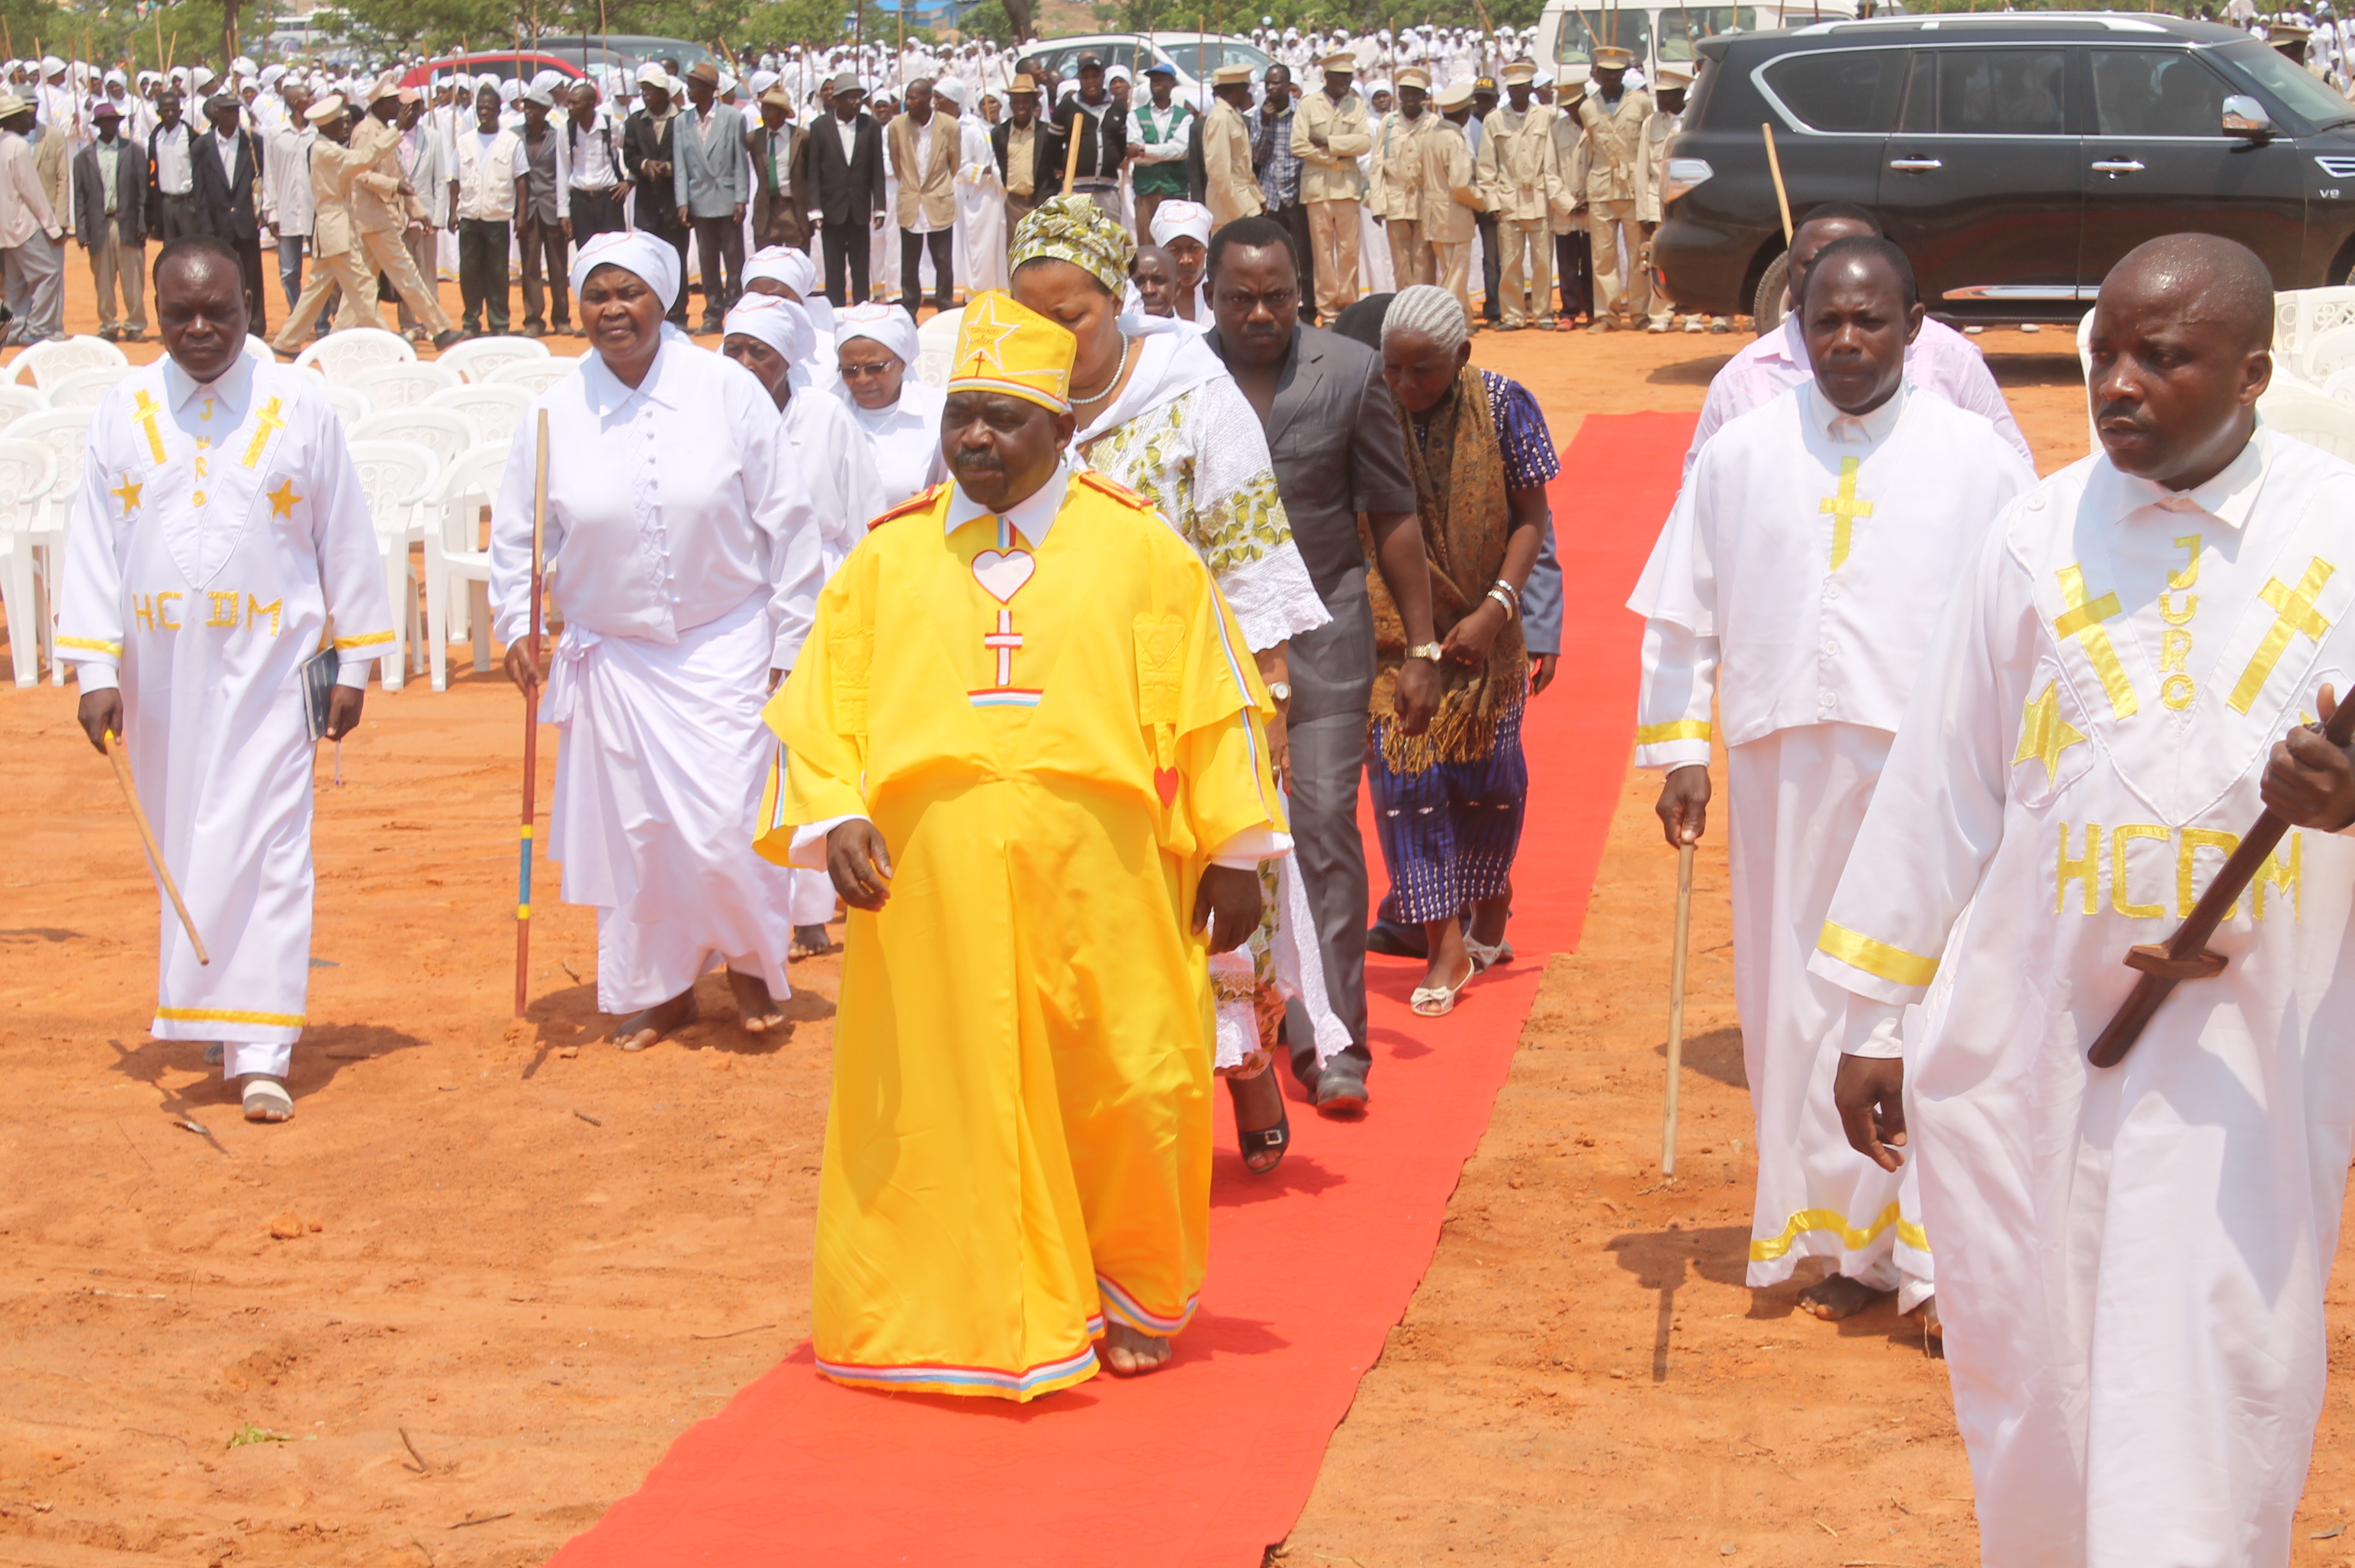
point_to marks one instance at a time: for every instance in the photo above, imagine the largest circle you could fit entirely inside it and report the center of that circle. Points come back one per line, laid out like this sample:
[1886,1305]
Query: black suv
[2015,157]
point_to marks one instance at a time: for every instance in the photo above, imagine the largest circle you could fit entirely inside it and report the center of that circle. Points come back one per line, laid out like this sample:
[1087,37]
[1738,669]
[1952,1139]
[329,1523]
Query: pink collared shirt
[1941,360]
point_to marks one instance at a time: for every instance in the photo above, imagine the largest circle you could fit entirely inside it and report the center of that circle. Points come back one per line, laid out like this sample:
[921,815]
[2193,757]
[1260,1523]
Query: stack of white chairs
[403,385]
[15,402]
[490,409]
[2327,354]
[83,389]
[438,429]
[455,552]
[343,356]
[2300,316]
[534,375]
[936,347]
[47,363]
[397,478]
[478,357]
[2325,422]
[64,433]
[351,404]
[27,472]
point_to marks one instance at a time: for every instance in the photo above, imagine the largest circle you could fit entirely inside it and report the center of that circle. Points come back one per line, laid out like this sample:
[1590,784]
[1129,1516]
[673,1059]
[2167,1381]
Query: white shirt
[837,461]
[594,165]
[906,437]
[1798,579]
[173,174]
[848,131]
[23,206]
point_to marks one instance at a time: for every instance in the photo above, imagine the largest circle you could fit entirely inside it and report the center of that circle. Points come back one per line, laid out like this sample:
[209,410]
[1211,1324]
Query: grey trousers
[33,283]
[1332,676]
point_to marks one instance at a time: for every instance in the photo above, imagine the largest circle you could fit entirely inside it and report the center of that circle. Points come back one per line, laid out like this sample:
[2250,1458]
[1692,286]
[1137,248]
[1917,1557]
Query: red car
[520,64]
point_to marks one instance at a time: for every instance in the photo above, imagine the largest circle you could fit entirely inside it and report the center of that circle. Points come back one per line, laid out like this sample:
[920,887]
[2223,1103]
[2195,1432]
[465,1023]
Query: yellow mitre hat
[1005,346]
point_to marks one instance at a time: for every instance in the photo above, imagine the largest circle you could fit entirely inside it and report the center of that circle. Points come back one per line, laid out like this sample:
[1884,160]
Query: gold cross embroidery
[2293,611]
[266,423]
[1843,509]
[2083,620]
[144,411]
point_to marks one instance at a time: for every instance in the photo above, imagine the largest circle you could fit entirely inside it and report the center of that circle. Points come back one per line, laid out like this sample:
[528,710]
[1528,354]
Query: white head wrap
[953,90]
[784,265]
[761,81]
[641,253]
[887,324]
[779,322]
[1174,217]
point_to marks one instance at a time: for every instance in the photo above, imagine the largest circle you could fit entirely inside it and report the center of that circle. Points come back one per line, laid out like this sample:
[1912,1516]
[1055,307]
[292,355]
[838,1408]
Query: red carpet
[1210,1461]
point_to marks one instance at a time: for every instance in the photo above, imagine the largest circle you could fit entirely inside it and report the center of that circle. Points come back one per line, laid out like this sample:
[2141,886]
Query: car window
[2000,92]
[2156,93]
[1683,27]
[2298,90]
[1840,89]
[1188,55]
[1583,31]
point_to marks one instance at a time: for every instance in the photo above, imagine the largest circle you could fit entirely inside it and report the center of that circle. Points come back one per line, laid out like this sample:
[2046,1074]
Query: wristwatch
[1431,651]
[1280,689]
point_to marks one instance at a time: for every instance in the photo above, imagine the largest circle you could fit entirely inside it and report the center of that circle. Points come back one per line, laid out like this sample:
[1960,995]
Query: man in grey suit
[714,183]
[1339,451]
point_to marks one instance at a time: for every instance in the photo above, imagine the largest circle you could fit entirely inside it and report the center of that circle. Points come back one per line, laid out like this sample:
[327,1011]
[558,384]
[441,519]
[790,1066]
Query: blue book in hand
[318,689]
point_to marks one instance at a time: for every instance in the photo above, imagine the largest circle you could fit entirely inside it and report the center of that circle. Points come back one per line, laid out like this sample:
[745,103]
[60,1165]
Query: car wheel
[1766,306]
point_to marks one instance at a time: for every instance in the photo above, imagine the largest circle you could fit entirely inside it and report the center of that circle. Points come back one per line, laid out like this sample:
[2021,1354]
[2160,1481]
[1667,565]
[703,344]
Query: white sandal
[266,1100]
[1489,957]
[1438,1001]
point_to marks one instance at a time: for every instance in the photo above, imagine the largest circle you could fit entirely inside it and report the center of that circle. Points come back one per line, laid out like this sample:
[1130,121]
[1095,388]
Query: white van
[1568,35]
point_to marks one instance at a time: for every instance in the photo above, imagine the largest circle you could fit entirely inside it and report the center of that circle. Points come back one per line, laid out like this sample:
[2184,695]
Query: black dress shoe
[1393,940]
[1340,1092]
[448,340]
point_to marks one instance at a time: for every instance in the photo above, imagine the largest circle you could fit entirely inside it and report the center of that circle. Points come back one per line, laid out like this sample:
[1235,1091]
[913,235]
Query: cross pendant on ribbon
[1005,639]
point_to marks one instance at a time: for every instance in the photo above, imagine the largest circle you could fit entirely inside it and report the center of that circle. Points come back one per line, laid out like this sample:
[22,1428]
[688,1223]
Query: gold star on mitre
[282,499]
[1005,346]
[2044,734]
[982,338]
[128,494]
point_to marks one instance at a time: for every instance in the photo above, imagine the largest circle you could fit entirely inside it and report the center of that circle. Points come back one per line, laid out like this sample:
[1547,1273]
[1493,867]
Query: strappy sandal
[1266,1140]
[1438,1001]
[1489,957]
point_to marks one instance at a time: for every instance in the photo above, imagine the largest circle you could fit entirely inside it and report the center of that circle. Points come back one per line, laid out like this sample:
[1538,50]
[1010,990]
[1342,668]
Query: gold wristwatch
[1427,651]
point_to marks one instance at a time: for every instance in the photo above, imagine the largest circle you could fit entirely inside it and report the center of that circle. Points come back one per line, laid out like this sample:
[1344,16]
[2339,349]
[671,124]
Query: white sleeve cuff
[1872,1029]
[96,675]
[1245,851]
[353,673]
[1673,755]
[809,842]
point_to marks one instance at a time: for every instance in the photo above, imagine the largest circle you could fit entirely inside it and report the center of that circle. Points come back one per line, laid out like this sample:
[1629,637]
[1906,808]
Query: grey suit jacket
[1334,434]
[713,178]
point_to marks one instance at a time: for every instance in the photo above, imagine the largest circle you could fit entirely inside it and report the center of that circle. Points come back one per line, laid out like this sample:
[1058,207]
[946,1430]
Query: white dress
[2131,1260]
[216,531]
[1796,584]
[684,559]
[906,437]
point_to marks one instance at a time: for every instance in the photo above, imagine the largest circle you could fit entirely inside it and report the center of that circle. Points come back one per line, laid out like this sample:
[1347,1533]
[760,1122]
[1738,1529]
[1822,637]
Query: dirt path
[504,1276]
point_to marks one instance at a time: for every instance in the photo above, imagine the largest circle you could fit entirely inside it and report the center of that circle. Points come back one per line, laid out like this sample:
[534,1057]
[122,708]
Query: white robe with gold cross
[2131,1260]
[1797,585]
[217,531]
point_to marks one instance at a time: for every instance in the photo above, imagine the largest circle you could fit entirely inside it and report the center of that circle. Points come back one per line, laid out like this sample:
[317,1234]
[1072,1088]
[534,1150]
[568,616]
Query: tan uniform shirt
[1397,174]
[1612,147]
[1331,173]
[1021,158]
[376,203]
[1653,162]
[1227,165]
[1448,187]
[1519,172]
[53,165]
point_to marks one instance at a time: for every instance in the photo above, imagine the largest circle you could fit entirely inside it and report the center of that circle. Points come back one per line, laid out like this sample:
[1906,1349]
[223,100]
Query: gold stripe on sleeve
[90,645]
[1877,958]
[1677,730]
[368,642]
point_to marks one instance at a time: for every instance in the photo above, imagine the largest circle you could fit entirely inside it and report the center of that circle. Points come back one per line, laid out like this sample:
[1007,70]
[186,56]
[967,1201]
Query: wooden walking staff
[2185,956]
[147,836]
[1677,1003]
[1782,196]
[531,725]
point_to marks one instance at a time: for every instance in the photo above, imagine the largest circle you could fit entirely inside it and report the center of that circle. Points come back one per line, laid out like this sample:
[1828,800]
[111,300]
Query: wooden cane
[155,850]
[531,726]
[1071,153]
[2185,956]
[1782,196]
[1677,1003]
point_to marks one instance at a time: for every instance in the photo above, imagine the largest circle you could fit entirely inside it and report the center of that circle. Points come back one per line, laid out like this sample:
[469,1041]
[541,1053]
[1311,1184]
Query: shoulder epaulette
[921,502]
[1095,480]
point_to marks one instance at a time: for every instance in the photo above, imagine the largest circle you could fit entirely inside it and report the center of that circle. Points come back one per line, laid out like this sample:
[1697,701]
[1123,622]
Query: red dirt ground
[507,1274]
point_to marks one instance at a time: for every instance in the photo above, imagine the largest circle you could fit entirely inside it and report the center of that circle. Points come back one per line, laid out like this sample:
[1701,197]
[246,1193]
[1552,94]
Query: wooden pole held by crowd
[1782,196]
[2185,956]
[1677,1005]
[531,723]
[155,850]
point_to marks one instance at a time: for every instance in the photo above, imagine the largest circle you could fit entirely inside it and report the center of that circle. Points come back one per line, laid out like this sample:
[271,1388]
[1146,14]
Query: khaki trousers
[1606,223]
[421,243]
[1333,237]
[346,270]
[113,262]
[1527,279]
[1453,261]
[1410,259]
[390,254]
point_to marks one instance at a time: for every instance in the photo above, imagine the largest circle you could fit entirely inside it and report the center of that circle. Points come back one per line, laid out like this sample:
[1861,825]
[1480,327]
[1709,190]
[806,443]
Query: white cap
[651,74]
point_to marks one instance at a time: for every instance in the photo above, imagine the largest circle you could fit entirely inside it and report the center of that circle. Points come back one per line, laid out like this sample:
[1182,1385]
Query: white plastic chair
[257,348]
[2085,373]
[534,375]
[477,358]
[2319,421]
[2329,352]
[83,389]
[65,432]
[936,348]
[493,411]
[26,469]
[397,477]
[2302,314]
[453,555]
[404,386]
[2341,385]
[48,363]
[351,405]
[15,402]
[439,430]
[345,357]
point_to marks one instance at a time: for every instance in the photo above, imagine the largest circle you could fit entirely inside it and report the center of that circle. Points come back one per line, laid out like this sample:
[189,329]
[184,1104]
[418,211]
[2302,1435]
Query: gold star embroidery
[282,499]
[128,494]
[983,335]
[2044,734]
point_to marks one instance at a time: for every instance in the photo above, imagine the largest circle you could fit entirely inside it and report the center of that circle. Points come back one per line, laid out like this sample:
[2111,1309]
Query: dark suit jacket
[845,193]
[658,197]
[1339,450]
[1104,144]
[777,217]
[225,207]
[130,193]
[1046,161]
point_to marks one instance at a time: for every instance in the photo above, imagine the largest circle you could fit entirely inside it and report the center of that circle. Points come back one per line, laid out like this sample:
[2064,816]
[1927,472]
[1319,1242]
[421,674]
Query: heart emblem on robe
[1165,785]
[1002,572]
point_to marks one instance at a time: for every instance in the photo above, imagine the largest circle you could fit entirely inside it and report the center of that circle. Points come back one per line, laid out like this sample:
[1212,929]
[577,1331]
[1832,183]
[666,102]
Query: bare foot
[1133,1354]
[1836,1297]
[811,942]
[640,1031]
[755,1009]
[1928,1313]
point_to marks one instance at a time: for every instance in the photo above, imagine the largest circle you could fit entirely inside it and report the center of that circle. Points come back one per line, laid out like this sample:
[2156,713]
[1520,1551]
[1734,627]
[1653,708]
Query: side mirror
[2245,117]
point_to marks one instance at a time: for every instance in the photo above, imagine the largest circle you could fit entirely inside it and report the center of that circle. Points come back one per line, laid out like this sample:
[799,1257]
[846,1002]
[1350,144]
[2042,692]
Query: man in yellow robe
[1025,739]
